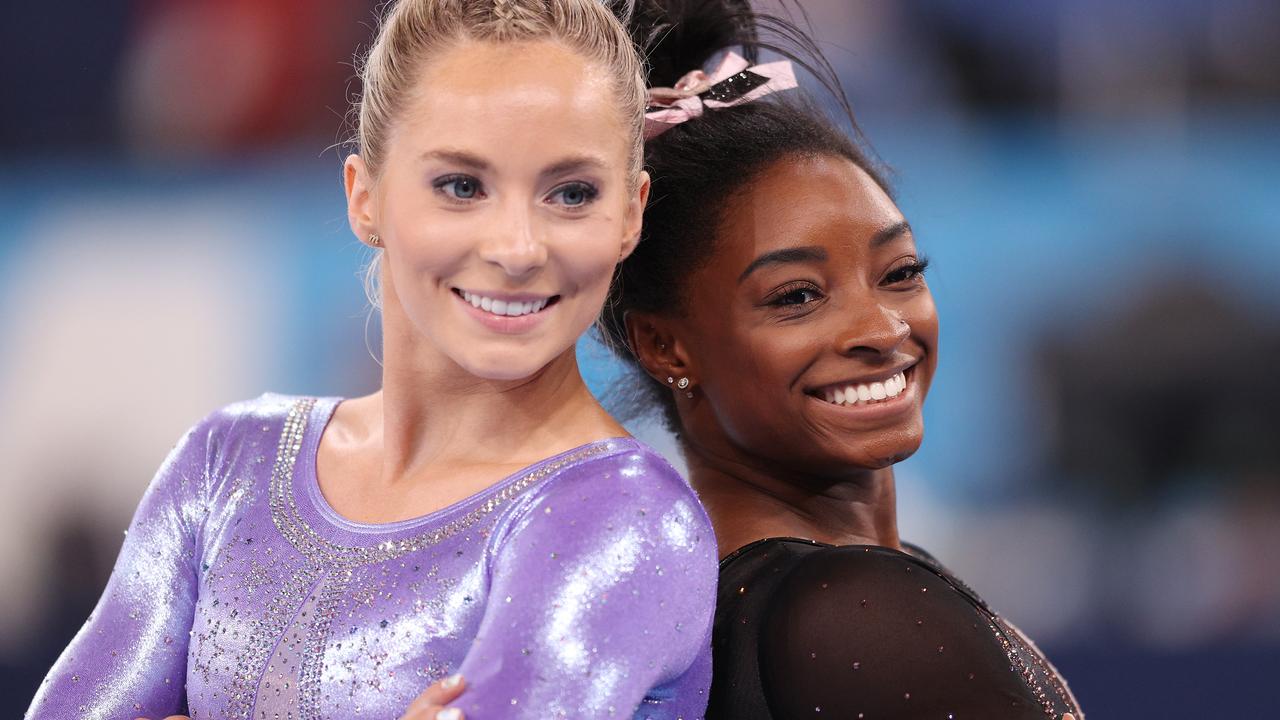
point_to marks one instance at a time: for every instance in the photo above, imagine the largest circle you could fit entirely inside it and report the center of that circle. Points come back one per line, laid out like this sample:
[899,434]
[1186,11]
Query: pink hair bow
[733,82]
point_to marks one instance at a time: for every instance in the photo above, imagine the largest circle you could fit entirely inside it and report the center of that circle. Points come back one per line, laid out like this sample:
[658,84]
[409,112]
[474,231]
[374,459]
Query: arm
[130,657]
[603,587]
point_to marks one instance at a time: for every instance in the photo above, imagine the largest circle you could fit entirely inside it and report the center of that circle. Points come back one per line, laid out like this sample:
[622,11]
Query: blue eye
[575,194]
[460,187]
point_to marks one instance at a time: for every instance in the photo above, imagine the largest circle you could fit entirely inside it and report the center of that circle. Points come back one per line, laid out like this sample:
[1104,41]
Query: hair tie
[732,83]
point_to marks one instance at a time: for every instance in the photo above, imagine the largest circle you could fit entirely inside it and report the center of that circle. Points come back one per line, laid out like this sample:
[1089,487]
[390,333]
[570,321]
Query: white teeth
[892,388]
[510,308]
[867,393]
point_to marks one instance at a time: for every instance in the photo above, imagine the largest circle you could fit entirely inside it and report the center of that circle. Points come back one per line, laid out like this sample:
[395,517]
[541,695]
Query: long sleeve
[601,602]
[862,630]
[129,659]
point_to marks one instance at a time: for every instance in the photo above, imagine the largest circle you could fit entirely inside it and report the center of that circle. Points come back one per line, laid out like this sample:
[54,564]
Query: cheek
[753,375]
[922,316]
[589,254]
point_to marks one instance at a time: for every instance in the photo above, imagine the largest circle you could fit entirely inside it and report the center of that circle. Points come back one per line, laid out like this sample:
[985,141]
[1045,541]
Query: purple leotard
[580,587]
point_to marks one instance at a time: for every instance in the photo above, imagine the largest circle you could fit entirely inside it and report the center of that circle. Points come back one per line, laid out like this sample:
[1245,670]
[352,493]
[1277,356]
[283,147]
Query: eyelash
[912,271]
[589,191]
[443,182]
[790,289]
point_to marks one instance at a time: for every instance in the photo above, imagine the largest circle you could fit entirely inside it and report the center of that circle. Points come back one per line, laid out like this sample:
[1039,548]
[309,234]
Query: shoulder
[252,419]
[267,408]
[892,579]
[612,496]
[906,629]
[245,431]
[624,477]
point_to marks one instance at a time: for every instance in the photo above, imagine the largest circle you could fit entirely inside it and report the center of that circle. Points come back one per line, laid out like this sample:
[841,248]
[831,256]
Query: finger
[439,694]
[443,691]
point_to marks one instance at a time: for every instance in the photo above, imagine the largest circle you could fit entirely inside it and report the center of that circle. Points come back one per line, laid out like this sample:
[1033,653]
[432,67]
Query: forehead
[522,96]
[822,200]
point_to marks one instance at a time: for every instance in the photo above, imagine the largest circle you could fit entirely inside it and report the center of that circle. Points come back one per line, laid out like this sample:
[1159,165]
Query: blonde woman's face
[504,204]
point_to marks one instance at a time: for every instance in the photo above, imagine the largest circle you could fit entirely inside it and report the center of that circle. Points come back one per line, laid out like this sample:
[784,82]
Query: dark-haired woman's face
[811,331]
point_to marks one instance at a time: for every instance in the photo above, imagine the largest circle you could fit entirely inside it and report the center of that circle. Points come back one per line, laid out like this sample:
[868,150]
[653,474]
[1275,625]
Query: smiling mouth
[869,393]
[507,307]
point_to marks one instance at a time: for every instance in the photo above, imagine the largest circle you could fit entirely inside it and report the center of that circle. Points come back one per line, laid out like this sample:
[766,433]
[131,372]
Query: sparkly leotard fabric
[859,632]
[581,587]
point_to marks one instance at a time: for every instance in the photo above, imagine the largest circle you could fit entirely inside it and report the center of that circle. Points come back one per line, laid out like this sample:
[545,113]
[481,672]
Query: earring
[670,379]
[375,241]
[684,383]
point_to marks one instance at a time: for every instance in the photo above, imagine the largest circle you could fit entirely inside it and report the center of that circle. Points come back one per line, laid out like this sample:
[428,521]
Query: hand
[430,705]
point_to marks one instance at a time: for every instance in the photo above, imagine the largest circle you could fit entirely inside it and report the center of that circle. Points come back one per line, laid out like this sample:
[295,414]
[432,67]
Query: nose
[874,332]
[515,243]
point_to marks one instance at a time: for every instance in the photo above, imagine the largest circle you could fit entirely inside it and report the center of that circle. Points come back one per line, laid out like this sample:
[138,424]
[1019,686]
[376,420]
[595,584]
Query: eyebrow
[817,254]
[574,164]
[474,162]
[893,232]
[458,157]
[786,255]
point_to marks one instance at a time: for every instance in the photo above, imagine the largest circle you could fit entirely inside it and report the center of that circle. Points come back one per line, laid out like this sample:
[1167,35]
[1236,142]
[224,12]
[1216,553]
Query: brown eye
[798,297]
[795,295]
[907,273]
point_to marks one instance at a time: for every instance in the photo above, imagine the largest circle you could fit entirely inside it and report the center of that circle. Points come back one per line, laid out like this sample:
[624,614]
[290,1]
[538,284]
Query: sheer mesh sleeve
[860,631]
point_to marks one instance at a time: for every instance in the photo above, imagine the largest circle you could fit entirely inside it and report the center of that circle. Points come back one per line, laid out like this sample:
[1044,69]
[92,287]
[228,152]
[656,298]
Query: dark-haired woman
[777,305]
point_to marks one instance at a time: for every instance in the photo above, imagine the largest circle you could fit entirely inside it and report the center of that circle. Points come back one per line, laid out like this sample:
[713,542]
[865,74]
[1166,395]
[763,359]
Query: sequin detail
[734,86]
[284,511]
[1026,660]
[330,566]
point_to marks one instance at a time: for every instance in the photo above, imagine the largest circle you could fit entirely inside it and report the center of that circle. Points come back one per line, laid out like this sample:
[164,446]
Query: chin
[880,452]
[503,366]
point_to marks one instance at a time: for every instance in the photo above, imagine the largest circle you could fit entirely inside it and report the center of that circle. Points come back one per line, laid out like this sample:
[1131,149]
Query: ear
[358,183]
[635,216]
[657,347]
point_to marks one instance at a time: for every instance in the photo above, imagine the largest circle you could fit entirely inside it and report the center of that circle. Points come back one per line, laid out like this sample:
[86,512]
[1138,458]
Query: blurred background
[1096,182]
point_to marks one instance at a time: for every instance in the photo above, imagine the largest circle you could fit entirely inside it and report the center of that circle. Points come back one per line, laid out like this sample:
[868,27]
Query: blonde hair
[411,31]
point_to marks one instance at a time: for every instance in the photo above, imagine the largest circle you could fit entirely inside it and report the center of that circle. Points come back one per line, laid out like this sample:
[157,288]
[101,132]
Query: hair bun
[677,36]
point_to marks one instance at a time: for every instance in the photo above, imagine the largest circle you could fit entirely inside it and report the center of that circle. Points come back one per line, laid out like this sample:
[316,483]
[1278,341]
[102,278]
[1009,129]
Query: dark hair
[698,165]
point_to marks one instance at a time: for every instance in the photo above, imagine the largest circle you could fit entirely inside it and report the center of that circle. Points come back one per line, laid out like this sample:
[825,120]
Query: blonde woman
[480,515]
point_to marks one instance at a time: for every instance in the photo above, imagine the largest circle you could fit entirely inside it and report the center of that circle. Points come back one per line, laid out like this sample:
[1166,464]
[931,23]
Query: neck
[750,498]
[435,414]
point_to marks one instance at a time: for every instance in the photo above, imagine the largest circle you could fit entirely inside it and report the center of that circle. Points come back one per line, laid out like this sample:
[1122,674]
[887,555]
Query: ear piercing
[684,383]
[375,241]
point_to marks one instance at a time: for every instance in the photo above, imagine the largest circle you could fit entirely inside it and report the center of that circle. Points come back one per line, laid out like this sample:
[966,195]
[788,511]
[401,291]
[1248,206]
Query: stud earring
[375,241]
[670,379]
[684,383]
